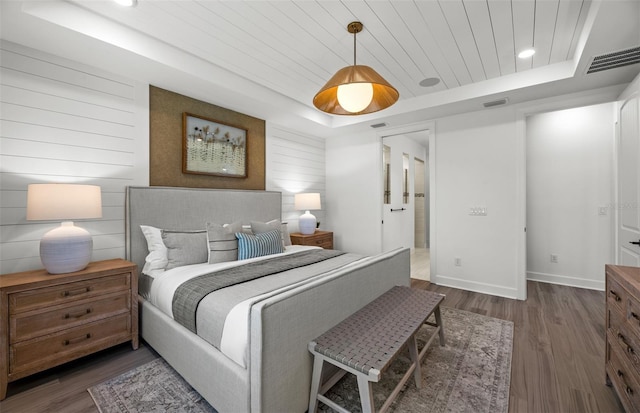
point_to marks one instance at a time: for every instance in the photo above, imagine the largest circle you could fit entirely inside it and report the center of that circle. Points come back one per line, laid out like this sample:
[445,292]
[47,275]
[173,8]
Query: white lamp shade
[63,201]
[307,201]
[66,248]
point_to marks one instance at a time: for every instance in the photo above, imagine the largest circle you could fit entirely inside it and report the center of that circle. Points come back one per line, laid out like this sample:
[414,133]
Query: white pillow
[156,261]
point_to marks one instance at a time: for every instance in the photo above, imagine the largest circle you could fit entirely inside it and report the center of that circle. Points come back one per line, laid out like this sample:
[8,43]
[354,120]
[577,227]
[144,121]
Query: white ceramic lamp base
[307,223]
[66,248]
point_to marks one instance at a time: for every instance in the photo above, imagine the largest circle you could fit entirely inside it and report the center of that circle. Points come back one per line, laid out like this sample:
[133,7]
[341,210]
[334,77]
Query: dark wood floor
[557,365]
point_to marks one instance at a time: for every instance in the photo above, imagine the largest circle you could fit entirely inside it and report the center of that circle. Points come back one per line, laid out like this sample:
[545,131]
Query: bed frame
[278,375]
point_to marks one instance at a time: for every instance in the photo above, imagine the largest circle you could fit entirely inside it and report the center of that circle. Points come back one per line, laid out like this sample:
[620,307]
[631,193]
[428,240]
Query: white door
[629,183]
[397,218]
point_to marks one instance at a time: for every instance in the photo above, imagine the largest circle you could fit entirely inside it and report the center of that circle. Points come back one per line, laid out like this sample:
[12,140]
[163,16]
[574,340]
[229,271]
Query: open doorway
[406,200]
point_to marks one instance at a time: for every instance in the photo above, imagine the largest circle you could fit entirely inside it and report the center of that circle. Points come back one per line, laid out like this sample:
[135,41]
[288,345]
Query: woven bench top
[369,339]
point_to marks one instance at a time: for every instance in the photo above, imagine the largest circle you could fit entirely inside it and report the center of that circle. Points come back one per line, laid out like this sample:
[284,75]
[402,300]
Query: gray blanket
[188,296]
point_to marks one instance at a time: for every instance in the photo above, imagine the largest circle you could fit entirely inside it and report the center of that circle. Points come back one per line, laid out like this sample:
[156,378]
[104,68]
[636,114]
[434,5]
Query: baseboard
[474,286]
[566,280]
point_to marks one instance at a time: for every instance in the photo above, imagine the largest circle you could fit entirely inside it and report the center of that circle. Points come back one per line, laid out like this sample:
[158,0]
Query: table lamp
[306,202]
[66,248]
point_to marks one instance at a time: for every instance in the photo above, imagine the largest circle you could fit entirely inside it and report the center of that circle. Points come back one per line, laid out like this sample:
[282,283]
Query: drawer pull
[624,341]
[88,336]
[634,315]
[78,291]
[77,314]
[613,293]
[627,389]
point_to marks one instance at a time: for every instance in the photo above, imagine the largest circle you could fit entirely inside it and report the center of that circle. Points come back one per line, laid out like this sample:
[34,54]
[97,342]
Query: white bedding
[235,334]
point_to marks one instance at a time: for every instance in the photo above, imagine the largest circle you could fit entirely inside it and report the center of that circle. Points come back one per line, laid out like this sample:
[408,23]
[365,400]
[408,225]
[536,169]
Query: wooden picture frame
[210,147]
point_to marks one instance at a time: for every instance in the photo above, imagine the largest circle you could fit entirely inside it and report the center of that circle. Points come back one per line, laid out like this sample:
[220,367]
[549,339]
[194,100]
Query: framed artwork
[213,148]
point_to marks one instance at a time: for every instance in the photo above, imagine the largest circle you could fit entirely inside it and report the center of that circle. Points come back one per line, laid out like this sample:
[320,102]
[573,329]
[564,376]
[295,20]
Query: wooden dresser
[47,320]
[319,238]
[623,334]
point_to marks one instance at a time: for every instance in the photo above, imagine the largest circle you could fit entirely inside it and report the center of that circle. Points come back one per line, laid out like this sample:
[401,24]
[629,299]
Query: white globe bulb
[355,97]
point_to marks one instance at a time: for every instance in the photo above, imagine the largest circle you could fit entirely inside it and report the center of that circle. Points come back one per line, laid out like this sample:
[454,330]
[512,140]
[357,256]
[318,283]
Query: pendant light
[357,89]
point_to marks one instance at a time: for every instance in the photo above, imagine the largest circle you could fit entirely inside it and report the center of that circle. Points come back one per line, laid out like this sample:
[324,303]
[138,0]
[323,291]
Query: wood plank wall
[62,121]
[66,122]
[295,162]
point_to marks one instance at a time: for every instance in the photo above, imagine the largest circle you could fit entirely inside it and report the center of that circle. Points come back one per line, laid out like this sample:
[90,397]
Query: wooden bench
[368,341]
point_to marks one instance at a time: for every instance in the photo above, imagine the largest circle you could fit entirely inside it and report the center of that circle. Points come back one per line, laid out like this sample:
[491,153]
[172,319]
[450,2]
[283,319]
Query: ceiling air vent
[378,125]
[493,103]
[613,60]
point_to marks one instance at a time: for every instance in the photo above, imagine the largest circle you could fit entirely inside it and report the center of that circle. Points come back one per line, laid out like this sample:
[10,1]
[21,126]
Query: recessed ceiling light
[526,53]
[127,3]
[430,81]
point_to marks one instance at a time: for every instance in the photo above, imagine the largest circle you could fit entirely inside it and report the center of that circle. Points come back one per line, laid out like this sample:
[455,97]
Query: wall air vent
[493,103]
[379,125]
[615,59]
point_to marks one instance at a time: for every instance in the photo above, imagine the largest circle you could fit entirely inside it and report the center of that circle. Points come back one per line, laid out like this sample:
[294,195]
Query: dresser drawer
[45,321]
[622,338]
[65,293]
[625,381]
[69,344]
[617,296]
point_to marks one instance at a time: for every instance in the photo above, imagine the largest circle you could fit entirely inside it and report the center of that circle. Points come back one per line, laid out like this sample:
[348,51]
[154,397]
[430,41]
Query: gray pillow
[185,247]
[222,241]
[262,227]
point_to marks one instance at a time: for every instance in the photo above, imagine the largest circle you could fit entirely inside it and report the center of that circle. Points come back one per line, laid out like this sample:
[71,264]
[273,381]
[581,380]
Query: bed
[271,368]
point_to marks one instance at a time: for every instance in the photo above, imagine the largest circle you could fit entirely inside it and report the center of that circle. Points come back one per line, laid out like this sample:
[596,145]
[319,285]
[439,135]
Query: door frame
[431,160]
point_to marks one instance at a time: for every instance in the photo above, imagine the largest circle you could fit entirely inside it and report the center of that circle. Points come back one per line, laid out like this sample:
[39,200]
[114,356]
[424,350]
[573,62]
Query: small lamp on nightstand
[306,202]
[66,248]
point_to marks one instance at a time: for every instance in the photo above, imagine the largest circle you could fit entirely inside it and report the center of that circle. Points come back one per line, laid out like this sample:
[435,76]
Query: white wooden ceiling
[268,58]
[294,47]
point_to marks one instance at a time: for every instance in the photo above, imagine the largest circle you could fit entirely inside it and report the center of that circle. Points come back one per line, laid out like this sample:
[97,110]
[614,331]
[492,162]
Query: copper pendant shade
[384,95]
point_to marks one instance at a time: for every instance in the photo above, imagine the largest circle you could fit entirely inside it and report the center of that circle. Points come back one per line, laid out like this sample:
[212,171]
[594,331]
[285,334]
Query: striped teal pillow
[266,243]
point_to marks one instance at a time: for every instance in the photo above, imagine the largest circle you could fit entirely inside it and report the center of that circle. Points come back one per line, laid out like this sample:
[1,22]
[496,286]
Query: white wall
[354,192]
[295,162]
[569,195]
[66,122]
[477,161]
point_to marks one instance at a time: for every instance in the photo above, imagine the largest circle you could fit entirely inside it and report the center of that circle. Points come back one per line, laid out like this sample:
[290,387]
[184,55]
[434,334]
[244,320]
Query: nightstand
[319,238]
[47,320]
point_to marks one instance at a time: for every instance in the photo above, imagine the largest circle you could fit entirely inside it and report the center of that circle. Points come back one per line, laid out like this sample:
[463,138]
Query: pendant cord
[354,47]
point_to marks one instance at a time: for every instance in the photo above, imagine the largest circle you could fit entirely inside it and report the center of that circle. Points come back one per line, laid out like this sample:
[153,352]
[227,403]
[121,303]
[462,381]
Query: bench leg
[415,359]
[366,394]
[315,383]
[439,323]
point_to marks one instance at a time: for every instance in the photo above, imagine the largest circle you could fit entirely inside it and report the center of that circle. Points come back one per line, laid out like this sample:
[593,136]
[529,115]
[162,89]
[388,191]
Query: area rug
[470,374]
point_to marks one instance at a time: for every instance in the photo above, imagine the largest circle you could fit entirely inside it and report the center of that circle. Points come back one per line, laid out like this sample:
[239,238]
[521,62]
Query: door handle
[635,242]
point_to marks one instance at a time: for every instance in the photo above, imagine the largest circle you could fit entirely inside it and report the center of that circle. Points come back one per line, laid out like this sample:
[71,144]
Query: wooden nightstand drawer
[45,321]
[323,239]
[69,344]
[60,294]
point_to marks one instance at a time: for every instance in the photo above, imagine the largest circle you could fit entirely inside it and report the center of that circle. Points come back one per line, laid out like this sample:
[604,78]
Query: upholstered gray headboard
[191,209]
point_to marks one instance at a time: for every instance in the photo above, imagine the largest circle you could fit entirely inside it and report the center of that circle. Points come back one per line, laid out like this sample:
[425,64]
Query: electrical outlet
[554,258]
[457,262]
